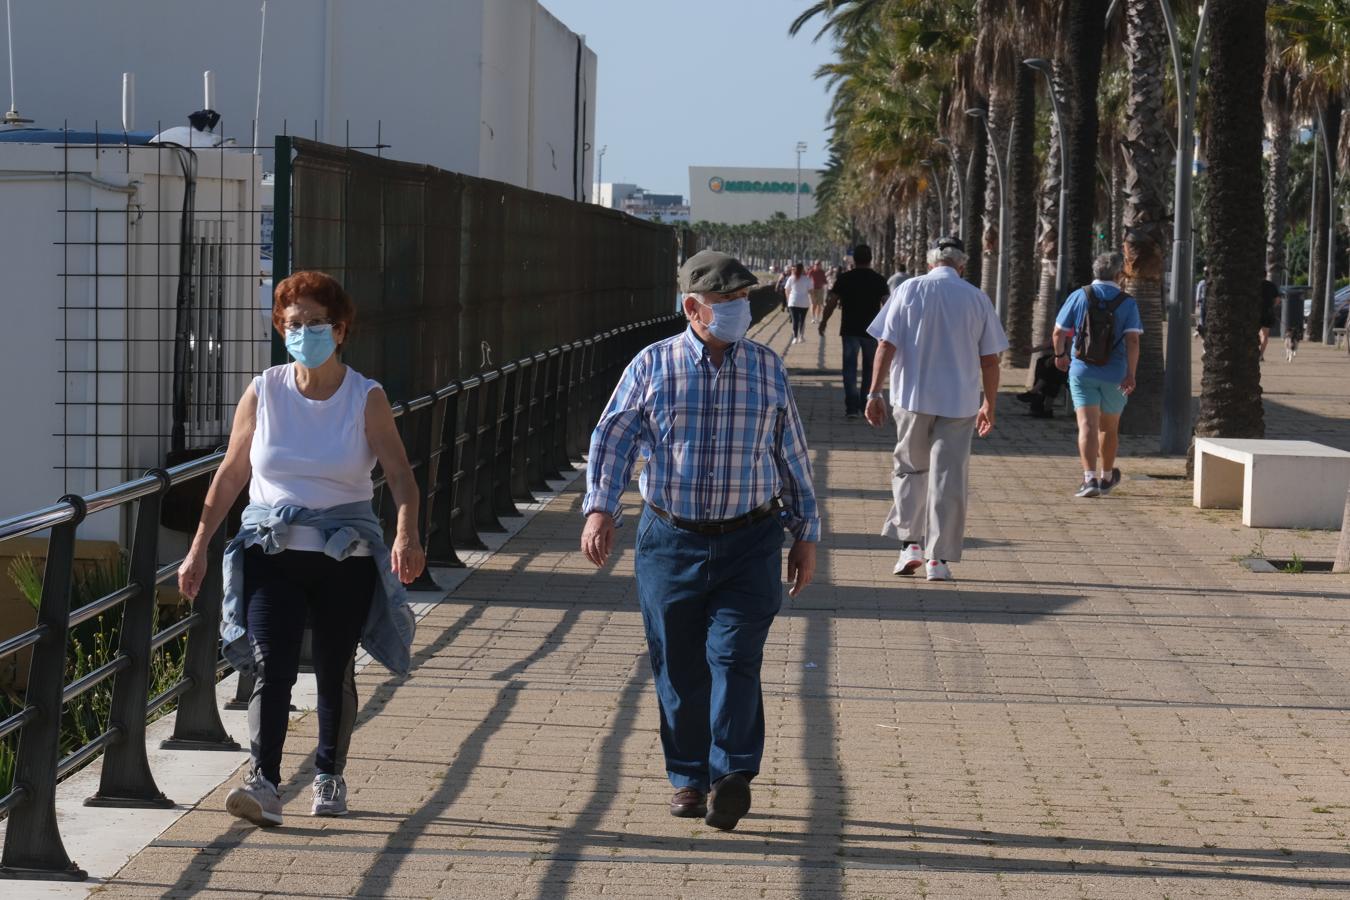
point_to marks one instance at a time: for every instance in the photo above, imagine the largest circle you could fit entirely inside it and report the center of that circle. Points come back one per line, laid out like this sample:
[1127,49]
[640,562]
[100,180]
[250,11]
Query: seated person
[1049,381]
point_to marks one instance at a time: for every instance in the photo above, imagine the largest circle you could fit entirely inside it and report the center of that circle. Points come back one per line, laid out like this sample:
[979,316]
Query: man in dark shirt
[1270,295]
[860,292]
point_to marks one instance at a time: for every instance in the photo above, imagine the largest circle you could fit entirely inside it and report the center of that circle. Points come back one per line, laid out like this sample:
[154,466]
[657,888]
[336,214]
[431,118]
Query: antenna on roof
[257,104]
[12,117]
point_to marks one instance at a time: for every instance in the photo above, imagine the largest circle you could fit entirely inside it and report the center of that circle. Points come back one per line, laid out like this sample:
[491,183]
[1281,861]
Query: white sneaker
[330,796]
[938,571]
[911,558]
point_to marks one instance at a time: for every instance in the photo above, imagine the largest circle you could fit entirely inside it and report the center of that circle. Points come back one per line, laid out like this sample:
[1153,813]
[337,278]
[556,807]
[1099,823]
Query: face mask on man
[311,345]
[731,319]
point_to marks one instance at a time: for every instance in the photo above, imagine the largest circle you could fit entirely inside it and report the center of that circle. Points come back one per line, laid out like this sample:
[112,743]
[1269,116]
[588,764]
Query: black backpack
[1096,336]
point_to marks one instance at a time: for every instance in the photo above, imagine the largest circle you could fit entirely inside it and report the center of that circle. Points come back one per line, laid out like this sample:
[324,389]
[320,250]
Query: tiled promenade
[1103,705]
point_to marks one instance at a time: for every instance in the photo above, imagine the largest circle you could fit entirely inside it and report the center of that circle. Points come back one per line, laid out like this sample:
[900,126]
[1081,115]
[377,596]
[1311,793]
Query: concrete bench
[1277,484]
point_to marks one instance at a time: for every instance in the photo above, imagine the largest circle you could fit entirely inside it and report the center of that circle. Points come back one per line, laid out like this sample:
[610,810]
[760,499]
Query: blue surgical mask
[731,319]
[312,345]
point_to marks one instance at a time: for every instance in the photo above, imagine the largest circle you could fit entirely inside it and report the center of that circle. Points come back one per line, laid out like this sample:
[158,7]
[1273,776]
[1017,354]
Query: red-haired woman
[306,436]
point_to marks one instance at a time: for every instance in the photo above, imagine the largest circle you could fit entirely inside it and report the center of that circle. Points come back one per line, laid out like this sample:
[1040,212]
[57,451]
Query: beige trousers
[928,482]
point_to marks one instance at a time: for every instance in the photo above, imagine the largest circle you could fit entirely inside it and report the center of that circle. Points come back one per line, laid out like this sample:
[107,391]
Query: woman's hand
[192,571]
[406,558]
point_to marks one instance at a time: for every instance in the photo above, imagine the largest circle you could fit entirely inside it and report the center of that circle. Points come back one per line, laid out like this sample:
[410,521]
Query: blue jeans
[853,402]
[707,604]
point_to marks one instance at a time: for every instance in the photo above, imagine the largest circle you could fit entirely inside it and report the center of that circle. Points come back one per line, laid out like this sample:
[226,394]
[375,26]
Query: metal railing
[477,446]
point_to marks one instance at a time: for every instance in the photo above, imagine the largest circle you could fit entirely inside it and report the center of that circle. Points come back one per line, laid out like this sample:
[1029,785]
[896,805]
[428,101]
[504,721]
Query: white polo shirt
[940,325]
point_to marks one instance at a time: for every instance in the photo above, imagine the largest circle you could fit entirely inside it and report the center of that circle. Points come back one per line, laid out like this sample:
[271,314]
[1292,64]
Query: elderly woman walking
[306,436]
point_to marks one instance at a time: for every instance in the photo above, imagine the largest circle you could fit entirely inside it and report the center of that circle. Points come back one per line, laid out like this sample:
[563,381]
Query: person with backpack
[1104,325]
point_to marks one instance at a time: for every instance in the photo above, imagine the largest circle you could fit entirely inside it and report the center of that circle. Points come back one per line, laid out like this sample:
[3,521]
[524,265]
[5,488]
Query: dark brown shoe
[688,803]
[728,802]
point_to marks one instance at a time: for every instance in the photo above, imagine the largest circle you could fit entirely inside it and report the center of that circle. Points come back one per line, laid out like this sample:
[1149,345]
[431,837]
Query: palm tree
[1022,186]
[1230,392]
[1281,80]
[1083,35]
[1144,222]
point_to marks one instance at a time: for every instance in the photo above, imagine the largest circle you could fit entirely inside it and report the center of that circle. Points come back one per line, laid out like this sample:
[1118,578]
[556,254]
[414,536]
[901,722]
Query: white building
[612,194]
[734,195]
[494,88]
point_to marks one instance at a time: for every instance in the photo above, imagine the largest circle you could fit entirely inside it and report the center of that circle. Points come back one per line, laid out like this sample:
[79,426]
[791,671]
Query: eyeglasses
[294,327]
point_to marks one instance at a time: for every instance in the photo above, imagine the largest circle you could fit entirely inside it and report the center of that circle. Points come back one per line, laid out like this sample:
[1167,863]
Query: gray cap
[714,272]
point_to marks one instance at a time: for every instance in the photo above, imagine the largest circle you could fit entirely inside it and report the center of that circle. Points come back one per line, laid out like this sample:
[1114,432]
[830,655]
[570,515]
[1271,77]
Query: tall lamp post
[1001,288]
[942,203]
[797,196]
[1329,301]
[1061,264]
[960,182]
[1176,420]
[600,173]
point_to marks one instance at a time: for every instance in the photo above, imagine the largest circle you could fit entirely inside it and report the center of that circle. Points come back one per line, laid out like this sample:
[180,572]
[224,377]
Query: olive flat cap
[713,272]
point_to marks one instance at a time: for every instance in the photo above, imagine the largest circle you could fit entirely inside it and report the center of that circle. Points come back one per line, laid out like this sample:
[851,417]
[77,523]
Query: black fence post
[33,847]
[464,532]
[197,724]
[485,430]
[503,420]
[534,451]
[427,458]
[519,398]
[441,511]
[127,780]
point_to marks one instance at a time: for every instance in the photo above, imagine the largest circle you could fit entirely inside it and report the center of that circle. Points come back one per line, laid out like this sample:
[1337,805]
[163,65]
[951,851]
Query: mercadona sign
[718,185]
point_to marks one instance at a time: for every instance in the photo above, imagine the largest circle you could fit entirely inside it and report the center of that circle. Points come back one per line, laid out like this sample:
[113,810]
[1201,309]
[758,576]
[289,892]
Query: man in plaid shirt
[726,474]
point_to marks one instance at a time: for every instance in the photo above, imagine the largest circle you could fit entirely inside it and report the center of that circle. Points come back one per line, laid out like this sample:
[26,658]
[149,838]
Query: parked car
[1340,306]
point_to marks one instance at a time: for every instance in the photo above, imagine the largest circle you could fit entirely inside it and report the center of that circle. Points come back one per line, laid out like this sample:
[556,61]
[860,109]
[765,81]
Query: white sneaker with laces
[330,796]
[938,571]
[911,558]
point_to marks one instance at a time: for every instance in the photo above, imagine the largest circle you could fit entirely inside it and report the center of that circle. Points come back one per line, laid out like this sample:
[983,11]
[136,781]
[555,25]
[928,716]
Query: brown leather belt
[723,526]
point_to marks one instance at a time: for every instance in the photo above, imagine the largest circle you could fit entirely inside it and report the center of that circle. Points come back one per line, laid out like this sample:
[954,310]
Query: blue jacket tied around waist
[388,632]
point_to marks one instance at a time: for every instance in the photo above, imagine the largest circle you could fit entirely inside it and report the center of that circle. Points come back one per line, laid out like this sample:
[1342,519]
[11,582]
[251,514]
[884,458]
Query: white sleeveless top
[310,453]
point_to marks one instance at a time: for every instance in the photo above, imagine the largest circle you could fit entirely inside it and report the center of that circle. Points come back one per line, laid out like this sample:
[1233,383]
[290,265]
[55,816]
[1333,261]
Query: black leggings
[798,320]
[281,591]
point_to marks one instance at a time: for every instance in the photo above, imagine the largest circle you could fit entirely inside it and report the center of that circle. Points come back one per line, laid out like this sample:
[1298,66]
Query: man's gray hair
[946,256]
[1107,266]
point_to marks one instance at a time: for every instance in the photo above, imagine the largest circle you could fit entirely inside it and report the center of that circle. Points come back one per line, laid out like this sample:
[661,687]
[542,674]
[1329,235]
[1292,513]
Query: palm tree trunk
[1116,232]
[1145,238]
[976,184]
[1230,387]
[1084,31]
[888,246]
[1332,119]
[998,126]
[1021,175]
[1047,304]
[1277,192]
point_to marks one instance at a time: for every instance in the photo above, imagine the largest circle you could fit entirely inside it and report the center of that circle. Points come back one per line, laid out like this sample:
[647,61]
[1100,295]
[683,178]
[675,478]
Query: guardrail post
[197,724]
[519,399]
[427,433]
[464,533]
[534,411]
[441,509]
[127,780]
[33,847]
[503,421]
[548,420]
[485,465]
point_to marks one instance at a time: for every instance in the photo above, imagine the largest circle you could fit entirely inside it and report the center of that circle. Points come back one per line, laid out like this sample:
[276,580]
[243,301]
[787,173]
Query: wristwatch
[878,395]
[1061,355]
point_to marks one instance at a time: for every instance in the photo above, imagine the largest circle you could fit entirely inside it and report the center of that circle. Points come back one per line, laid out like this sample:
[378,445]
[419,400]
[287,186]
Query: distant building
[642,203]
[733,195]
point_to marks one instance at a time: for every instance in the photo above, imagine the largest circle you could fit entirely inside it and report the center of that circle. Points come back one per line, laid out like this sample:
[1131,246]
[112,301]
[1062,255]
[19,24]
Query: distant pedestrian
[940,341]
[1201,294]
[859,294]
[818,284]
[1270,296]
[306,436]
[1103,323]
[797,289]
[726,472]
[898,277]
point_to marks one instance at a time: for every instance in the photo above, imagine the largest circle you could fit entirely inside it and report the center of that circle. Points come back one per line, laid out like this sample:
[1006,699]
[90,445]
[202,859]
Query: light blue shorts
[1094,392]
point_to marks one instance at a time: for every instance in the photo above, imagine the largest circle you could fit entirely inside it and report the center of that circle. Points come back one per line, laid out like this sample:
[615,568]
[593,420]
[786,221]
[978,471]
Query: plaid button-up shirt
[718,441]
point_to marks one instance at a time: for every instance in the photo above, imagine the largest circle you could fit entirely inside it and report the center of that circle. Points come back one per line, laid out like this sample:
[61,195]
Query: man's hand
[984,419]
[876,411]
[1127,386]
[1062,362]
[801,565]
[597,538]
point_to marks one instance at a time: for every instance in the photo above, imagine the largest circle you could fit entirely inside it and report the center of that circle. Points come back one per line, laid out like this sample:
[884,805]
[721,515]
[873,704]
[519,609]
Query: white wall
[447,82]
[740,208]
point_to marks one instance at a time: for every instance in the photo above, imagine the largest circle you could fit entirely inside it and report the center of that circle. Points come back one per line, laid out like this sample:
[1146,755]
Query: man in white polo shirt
[939,340]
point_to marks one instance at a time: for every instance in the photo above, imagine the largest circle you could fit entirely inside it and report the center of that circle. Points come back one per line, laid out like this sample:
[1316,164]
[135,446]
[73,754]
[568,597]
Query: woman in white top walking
[305,438]
[798,290]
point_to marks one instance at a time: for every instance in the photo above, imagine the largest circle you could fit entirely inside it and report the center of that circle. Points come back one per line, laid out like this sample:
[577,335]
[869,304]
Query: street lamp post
[1061,264]
[1176,422]
[1329,301]
[942,203]
[797,193]
[960,182]
[600,173]
[1001,285]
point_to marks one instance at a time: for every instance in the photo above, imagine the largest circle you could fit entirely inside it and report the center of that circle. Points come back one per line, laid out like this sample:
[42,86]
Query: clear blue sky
[700,82]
